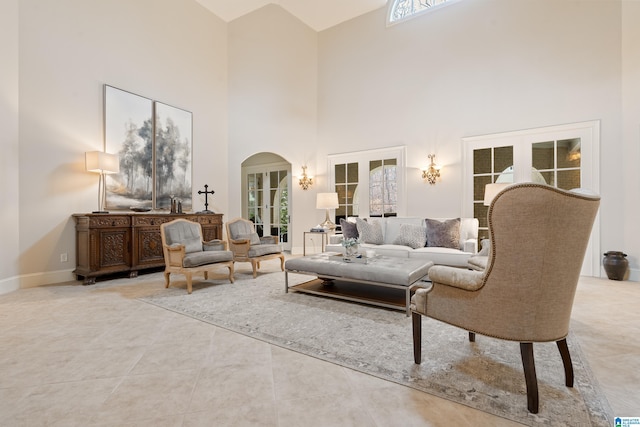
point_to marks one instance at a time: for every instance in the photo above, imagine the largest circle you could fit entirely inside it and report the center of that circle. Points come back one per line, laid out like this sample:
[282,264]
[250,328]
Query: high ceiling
[317,14]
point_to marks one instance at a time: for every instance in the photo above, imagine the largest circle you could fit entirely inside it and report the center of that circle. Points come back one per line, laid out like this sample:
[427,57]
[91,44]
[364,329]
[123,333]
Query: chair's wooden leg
[255,265]
[472,336]
[417,337]
[282,262]
[166,279]
[566,361]
[526,351]
[206,275]
[189,280]
[231,278]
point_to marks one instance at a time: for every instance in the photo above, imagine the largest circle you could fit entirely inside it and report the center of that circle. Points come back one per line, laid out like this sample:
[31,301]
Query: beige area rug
[486,375]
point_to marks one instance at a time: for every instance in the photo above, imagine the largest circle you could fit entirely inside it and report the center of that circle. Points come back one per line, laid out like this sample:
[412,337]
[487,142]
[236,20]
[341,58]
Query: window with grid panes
[346,185]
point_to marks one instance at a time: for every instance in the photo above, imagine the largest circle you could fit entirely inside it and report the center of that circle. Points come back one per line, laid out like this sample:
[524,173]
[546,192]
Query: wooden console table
[127,242]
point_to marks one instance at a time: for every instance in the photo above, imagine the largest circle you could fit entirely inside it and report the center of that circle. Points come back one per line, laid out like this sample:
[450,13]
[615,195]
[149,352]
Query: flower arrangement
[350,242]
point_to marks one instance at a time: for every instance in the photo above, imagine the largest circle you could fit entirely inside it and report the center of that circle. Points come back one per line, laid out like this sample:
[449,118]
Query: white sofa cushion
[392,226]
[442,256]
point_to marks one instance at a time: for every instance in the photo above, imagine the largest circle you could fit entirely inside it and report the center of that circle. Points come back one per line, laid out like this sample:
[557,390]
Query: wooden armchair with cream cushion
[247,246]
[539,235]
[186,253]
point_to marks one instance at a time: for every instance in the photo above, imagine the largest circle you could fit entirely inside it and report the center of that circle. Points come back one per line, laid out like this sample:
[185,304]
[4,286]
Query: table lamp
[102,163]
[327,201]
[492,190]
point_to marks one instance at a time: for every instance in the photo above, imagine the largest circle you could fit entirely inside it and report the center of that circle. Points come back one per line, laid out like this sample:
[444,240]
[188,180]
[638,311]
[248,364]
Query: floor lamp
[102,163]
[327,201]
[492,190]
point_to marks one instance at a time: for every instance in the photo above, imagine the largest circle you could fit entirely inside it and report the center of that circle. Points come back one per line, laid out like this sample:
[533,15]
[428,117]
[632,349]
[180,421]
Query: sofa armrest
[471,246]
[175,254]
[468,280]
[478,262]
[240,247]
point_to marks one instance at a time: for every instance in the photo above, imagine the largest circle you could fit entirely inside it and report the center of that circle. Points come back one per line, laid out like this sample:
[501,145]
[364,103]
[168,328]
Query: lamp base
[207,211]
[328,224]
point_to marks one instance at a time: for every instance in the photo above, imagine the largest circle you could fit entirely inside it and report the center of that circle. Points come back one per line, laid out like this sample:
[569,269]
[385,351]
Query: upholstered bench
[381,271]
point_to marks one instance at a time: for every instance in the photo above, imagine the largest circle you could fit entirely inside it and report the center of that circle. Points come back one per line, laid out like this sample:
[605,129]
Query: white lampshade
[101,162]
[492,190]
[327,201]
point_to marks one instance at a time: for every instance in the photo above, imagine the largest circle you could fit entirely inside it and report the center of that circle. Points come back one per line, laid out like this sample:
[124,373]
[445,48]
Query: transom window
[404,9]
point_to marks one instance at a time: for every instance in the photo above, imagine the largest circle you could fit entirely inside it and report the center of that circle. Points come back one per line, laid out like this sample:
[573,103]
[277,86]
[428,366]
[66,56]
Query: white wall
[173,51]
[473,68]
[630,143]
[273,103]
[9,78]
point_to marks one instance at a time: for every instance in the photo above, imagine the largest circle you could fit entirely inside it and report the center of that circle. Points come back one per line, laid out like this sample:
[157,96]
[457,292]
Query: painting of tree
[129,134]
[172,156]
[153,143]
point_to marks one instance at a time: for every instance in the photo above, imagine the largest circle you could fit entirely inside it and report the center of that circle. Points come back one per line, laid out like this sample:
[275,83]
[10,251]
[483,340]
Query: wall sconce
[102,163]
[305,181]
[432,172]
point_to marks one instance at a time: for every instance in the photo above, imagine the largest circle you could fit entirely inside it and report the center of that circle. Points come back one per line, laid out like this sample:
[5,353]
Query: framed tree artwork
[153,142]
[172,156]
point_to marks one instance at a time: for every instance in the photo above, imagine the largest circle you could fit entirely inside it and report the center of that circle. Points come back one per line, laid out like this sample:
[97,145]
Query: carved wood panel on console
[112,243]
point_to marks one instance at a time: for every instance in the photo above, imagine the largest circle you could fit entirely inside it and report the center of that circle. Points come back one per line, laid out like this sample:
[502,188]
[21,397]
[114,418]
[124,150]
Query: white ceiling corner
[317,14]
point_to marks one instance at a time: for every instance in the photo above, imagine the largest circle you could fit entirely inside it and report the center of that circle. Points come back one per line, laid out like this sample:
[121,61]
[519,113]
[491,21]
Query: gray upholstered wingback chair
[247,246]
[539,235]
[185,252]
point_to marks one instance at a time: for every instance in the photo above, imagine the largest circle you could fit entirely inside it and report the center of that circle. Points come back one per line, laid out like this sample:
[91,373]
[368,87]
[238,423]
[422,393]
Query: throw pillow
[414,236]
[370,232]
[349,229]
[443,234]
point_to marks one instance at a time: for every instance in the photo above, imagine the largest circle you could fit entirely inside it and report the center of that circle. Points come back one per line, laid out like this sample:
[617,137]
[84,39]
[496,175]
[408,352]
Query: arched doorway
[266,196]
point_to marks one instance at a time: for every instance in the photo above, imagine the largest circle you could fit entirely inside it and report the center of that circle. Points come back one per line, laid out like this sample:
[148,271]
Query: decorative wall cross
[206,193]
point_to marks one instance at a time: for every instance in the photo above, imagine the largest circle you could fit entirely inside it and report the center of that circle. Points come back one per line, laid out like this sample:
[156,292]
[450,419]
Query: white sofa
[458,257]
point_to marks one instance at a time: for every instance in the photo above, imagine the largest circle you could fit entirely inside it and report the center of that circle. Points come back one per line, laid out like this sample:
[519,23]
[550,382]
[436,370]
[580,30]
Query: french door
[267,201]
[565,156]
[369,183]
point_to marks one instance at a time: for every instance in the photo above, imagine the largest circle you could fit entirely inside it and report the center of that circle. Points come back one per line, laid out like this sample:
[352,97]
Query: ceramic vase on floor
[615,265]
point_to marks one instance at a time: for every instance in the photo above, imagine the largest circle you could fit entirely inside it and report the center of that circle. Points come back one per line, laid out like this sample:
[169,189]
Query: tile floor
[73,355]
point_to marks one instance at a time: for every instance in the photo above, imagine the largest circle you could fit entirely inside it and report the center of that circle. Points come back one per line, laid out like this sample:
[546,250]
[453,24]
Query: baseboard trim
[633,276]
[33,280]
[9,284]
[50,277]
